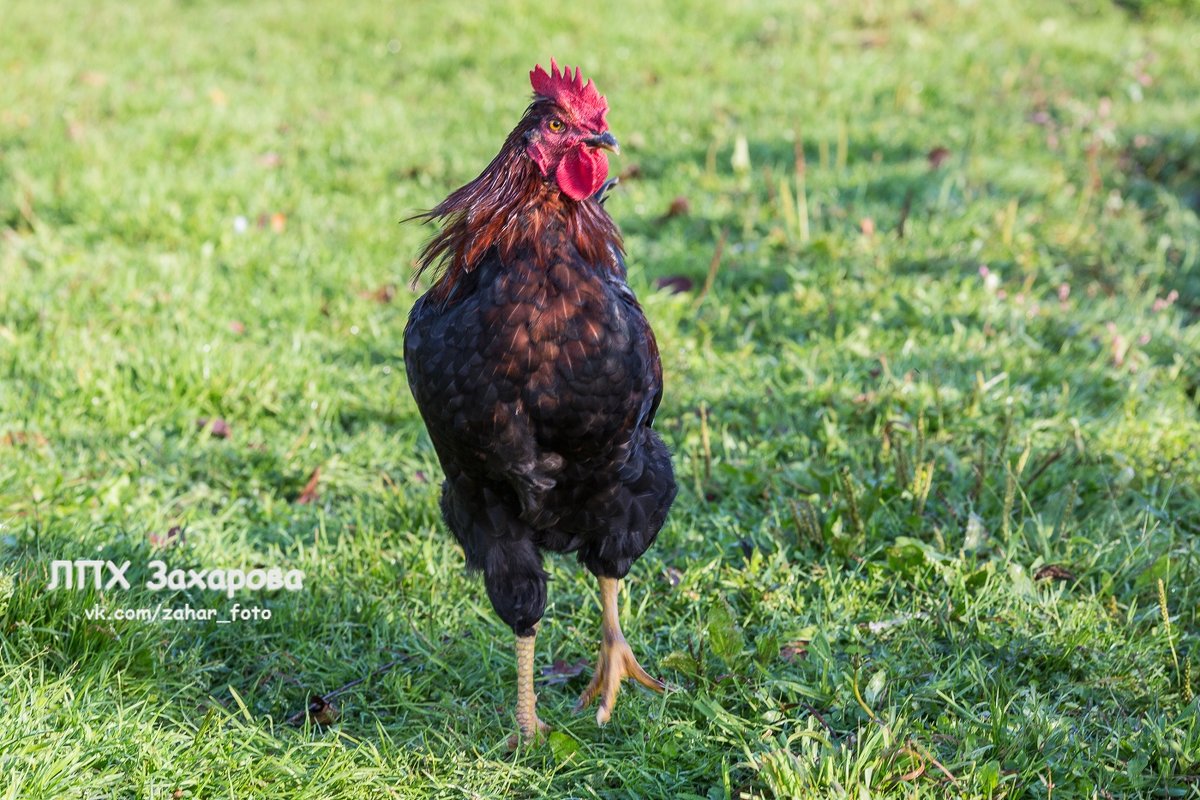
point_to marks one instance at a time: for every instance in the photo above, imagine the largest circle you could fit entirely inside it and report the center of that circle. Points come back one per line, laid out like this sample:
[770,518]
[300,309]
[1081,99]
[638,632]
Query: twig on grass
[713,267]
[812,710]
[929,757]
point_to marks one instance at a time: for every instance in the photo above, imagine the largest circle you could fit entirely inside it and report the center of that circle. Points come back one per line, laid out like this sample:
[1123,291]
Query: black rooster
[538,376]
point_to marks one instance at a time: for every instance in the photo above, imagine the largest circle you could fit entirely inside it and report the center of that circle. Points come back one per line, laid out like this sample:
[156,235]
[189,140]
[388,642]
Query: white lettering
[117,575]
[294,580]
[197,578]
[237,579]
[256,579]
[177,580]
[159,579]
[55,581]
[81,570]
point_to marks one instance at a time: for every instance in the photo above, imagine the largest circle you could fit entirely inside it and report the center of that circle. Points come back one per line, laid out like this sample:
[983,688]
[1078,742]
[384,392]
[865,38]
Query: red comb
[571,93]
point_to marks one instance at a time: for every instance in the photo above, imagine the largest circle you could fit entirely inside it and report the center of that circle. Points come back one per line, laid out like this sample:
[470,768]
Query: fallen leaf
[561,671]
[270,160]
[791,651]
[1055,572]
[631,172]
[871,39]
[310,493]
[383,295]
[174,535]
[679,208]
[675,284]
[94,79]
[276,221]
[937,156]
[18,438]
[217,427]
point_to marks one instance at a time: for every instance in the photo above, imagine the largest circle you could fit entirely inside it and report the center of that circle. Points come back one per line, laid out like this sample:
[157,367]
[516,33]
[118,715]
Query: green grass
[880,447]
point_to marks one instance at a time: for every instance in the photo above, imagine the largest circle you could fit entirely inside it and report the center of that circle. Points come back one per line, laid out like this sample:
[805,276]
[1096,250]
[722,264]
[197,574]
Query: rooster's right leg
[516,585]
[498,543]
[530,727]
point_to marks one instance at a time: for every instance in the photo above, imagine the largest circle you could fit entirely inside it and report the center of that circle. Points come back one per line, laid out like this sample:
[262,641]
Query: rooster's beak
[604,141]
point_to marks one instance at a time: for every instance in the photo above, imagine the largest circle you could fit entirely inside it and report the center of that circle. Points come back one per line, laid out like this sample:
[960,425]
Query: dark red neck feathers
[511,207]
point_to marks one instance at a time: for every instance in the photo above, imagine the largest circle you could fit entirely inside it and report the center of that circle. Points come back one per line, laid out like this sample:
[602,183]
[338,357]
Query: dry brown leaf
[791,651]
[680,207]
[383,295]
[20,438]
[675,284]
[310,493]
[1055,572]
[173,536]
[631,172]
[561,671]
[217,427]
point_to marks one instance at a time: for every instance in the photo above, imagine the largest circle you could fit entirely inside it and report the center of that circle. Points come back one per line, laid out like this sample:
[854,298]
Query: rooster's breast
[569,337]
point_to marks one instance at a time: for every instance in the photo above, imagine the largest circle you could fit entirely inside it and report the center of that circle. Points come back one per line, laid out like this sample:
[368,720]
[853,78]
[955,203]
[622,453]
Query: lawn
[926,280]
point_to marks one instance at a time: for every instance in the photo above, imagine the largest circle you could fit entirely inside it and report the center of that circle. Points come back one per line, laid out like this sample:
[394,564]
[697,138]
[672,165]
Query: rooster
[537,376]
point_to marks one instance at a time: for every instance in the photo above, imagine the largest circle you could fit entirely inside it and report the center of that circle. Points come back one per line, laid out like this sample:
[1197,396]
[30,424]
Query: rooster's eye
[556,126]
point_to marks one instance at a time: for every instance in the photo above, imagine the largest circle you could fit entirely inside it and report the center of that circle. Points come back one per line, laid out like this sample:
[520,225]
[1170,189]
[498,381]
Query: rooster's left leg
[617,661]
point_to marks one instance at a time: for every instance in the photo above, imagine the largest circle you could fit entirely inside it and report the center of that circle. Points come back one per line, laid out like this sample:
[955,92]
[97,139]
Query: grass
[935,417]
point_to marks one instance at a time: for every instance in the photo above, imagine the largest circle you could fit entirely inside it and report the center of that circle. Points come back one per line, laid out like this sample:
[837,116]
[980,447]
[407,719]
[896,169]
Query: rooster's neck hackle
[511,208]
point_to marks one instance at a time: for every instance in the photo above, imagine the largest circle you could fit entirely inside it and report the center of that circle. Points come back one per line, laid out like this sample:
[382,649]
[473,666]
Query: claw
[616,663]
[528,733]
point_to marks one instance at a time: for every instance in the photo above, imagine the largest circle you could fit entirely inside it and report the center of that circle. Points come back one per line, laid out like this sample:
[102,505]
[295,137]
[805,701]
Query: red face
[572,153]
[569,137]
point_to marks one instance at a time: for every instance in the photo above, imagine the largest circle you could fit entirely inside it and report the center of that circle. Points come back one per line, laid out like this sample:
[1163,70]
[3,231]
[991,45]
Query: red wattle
[581,172]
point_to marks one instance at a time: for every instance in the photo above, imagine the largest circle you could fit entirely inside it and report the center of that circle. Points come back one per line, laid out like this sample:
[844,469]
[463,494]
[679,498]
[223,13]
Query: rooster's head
[568,132]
